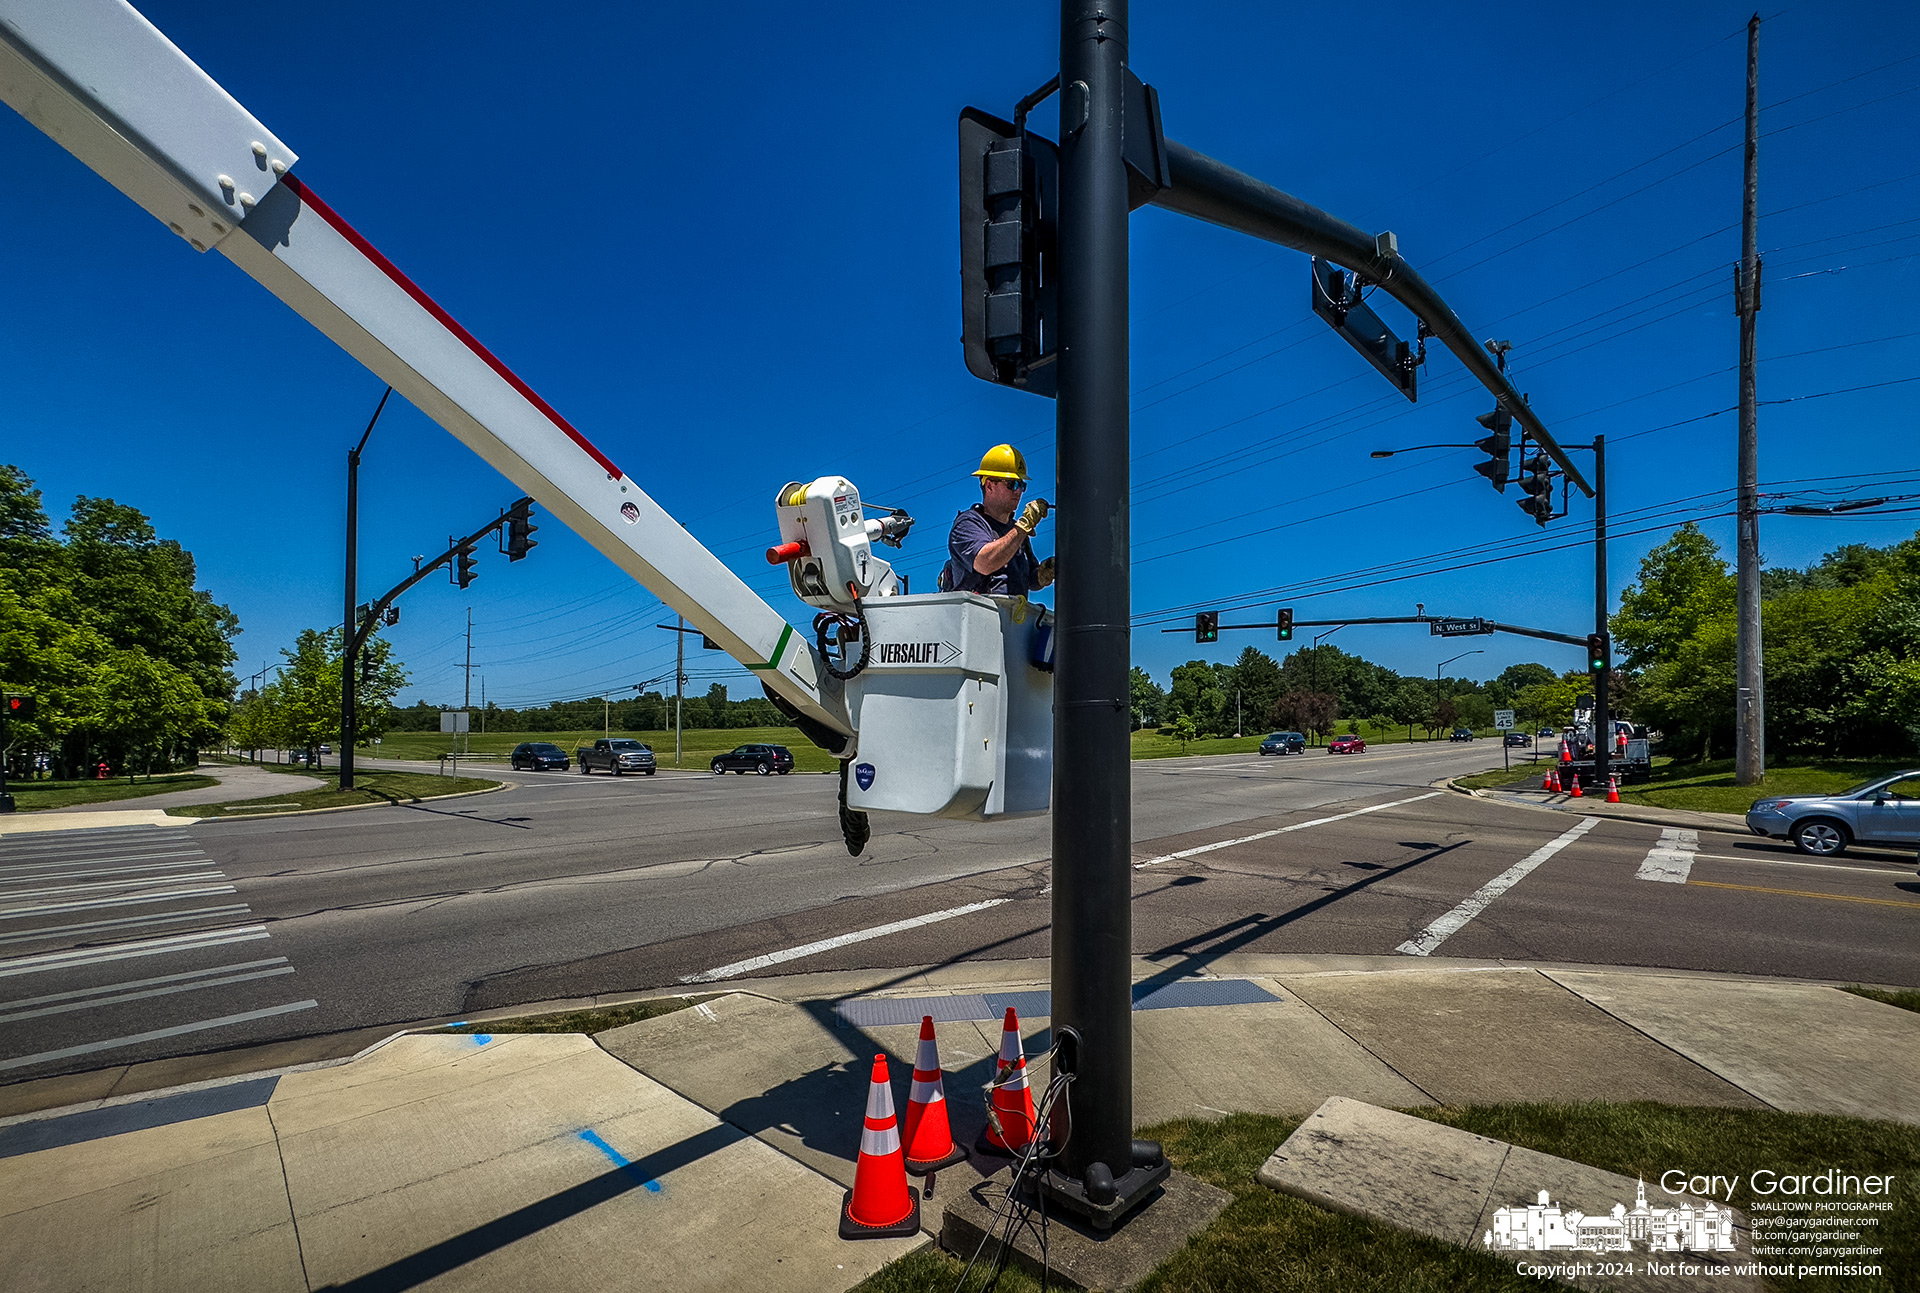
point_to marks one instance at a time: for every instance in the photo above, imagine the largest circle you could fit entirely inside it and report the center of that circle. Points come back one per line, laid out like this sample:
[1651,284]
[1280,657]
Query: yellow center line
[1803,893]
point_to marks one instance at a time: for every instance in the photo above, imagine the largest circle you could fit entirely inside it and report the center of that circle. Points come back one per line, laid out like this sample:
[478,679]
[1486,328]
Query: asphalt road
[138,943]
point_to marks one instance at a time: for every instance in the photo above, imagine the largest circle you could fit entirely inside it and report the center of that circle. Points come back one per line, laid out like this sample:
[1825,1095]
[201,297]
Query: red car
[1346,745]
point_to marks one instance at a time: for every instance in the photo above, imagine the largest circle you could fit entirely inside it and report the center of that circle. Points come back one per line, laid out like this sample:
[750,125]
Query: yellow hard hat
[1004,462]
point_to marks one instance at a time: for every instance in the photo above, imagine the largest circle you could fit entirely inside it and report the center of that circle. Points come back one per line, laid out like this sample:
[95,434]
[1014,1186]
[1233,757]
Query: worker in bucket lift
[991,548]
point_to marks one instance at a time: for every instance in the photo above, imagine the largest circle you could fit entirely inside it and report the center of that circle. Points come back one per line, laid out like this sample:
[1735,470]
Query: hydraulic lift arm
[105,84]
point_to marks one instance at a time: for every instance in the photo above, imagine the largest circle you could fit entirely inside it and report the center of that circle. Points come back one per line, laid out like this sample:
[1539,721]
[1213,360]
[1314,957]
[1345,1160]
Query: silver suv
[1885,810]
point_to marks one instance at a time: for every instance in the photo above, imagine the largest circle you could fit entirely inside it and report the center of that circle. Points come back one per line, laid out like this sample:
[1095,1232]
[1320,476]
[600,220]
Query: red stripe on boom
[432,307]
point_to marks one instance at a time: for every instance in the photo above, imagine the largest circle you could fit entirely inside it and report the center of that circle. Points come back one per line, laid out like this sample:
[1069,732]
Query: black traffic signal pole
[1492,626]
[1096,1174]
[1602,728]
[349,643]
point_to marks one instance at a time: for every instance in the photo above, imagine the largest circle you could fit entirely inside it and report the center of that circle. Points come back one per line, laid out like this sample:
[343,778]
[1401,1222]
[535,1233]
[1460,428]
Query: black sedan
[1284,743]
[538,756]
[763,759]
[1519,738]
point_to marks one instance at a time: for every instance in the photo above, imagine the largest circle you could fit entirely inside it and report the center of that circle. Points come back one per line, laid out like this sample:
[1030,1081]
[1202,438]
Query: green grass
[700,744]
[583,1021]
[369,788]
[1709,787]
[1267,1242]
[1906,1000]
[37,796]
[1520,771]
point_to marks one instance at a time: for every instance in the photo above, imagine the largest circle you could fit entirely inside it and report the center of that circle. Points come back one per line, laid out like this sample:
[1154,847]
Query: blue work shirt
[973,530]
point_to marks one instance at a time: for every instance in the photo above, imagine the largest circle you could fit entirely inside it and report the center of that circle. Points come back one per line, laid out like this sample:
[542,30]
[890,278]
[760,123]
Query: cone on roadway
[880,1205]
[1573,785]
[1010,1111]
[1613,790]
[929,1136]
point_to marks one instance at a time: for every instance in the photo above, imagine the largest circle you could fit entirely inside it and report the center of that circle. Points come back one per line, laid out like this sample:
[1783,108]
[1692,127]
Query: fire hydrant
[100,773]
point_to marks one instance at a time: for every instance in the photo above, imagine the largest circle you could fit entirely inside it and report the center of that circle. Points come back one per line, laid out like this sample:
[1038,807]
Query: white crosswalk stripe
[58,976]
[1670,860]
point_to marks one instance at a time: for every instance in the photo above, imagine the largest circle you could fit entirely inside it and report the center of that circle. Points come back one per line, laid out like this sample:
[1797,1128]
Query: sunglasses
[1017,486]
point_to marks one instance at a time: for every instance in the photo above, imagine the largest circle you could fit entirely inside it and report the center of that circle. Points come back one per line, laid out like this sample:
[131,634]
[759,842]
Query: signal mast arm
[105,84]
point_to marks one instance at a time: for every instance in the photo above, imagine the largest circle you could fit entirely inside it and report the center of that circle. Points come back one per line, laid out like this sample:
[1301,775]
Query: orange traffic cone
[1613,790]
[1566,755]
[1010,1112]
[929,1135]
[880,1205]
[1552,783]
[1573,784]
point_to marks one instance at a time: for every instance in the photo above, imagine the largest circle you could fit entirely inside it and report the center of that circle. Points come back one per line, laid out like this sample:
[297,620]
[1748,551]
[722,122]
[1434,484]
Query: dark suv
[1284,743]
[538,756]
[763,759]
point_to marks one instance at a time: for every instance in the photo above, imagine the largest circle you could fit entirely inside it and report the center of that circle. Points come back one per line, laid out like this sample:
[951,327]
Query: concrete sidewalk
[714,1143]
[1597,806]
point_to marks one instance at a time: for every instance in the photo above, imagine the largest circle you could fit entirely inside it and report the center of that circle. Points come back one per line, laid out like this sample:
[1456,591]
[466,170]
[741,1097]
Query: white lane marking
[131,900]
[1671,859]
[828,944]
[64,1008]
[1858,868]
[89,861]
[1423,943]
[193,941]
[134,1039]
[133,882]
[1297,826]
[175,840]
[153,868]
[46,932]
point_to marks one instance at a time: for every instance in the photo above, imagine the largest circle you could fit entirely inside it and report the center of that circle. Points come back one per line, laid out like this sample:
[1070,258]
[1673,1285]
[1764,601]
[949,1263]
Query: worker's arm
[992,557]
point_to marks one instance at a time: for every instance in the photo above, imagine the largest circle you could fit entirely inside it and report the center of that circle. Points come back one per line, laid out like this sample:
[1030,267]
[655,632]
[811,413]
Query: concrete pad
[1276,1057]
[1439,1181]
[1506,1035]
[59,820]
[1798,1047]
[74,1171]
[575,1173]
[413,1069]
[1351,1157]
[1078,1256]
[794,1076]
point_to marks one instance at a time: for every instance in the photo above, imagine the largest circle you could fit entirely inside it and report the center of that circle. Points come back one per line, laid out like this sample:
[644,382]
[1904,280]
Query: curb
[1646,817]
[347,808]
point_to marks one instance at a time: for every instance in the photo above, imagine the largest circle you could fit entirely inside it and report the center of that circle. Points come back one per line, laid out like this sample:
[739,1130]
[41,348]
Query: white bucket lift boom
[106,85]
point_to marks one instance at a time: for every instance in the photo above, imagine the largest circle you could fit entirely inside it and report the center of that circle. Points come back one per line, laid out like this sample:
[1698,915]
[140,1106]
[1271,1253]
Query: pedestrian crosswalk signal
[1285,622]
[1206,626]
[20,707]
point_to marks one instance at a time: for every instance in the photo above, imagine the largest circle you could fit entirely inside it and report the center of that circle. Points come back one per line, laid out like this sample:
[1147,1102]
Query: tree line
[1316,687]
[649,712]
[1840,641]
[126,661]
[299,709]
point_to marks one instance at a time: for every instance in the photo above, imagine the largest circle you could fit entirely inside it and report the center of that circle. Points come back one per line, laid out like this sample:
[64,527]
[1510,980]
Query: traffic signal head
[20,707]
[1536,483]
[520,528]
[1496,445]
[390,616]
[1596,652]
[1206,626]
[463,564]
[1285,620]
[1009,204]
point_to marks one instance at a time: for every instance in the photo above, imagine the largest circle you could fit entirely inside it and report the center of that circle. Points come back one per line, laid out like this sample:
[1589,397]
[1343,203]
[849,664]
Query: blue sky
[722,241]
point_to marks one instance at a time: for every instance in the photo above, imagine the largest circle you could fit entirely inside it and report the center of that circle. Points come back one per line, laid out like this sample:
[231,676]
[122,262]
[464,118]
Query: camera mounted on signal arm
[826,543]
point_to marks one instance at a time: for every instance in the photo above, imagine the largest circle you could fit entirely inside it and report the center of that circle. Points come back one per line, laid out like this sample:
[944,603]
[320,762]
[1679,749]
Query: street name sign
[1457,628]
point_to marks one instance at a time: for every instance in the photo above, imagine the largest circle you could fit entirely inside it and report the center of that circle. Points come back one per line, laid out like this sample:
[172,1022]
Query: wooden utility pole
[1749,755]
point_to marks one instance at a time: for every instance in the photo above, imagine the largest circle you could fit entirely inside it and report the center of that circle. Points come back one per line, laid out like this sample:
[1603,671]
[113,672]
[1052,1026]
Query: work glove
[1046,573]
[1031,516]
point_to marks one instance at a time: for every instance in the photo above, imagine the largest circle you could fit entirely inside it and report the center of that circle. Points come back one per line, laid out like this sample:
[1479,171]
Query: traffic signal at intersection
[520,528]
[1536,482]
[1206,626]
[1597,652]
[1497,444]
[463,563]
[1285,622]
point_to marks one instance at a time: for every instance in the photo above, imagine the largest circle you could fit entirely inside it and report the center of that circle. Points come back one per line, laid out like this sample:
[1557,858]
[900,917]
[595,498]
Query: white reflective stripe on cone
[929,1059]
[926,1092]
[1009,1045]
[878,1142]
[1017,1081]
[879,1100]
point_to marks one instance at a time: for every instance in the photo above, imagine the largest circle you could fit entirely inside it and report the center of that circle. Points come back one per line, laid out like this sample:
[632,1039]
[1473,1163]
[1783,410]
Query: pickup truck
[619,755]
